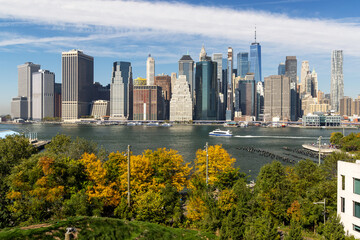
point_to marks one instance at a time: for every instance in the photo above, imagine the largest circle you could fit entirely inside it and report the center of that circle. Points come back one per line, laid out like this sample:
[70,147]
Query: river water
[188,138]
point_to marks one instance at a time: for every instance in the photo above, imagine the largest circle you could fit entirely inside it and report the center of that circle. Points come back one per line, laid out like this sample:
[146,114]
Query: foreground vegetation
[72,177]
[103,228]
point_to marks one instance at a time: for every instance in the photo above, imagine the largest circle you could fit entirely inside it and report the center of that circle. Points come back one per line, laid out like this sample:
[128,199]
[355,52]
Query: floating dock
[325,149]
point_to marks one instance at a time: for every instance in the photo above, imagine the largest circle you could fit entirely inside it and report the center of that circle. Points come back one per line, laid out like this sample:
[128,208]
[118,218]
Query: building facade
[181,101]
[255,60]
[291,73]
[281,69]
[150,70]
[348,196]
[230,81]
[337,79]
[77,83]
[121,91]
[25,88]
[277,98]
[186,67]
[43,103]
[19,108]
[246,96]
[206,94]
[147,103]
[164,81]
[100,109]
[57,100]
[243,64]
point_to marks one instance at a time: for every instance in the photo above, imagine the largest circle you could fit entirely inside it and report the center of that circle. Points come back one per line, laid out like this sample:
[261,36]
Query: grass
[104,228]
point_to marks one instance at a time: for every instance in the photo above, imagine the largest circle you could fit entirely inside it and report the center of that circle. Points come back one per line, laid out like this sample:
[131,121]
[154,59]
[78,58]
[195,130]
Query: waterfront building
[245,97]
[291,73]
[277,98]
[243,64]
[255,60]
[229,113]
[25,82]
[150,70]
[43,102]
[121,91]
[100,109]
[77,83]
[319,119]
[281,69]
[337,79]
[181,101]
[147,103]
[164,81]
[206,96]
[345,106]
[101,92]
[140,81]
[348,196]
[19,108]
[186,67]
[57,100]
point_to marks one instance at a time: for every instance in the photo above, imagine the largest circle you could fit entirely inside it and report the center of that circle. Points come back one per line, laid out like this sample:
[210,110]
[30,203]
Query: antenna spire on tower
[255,33]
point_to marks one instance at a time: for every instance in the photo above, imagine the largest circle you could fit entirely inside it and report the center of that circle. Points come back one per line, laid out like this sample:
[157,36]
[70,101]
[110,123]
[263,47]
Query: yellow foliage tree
[219,161]
[99,187]
[195,209]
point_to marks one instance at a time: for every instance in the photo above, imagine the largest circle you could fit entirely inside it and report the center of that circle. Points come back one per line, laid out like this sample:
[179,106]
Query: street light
[324,202]
[319,141]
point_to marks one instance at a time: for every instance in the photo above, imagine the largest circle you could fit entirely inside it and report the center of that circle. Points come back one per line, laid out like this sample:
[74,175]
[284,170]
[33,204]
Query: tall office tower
[181,101]
[217,57]
[57,100]
[206,90]
[43,102]
[291,73]
[337,79]
[25,81]
[315,83]
[186,67]
[255,59]
[77,84]
[173,80]
[304,71]
[260,101]
[246,96]
[277,97]
[121,91]
[150,70]
[229,114]
[281,69]
[243,64]
[148,103]
[164,81]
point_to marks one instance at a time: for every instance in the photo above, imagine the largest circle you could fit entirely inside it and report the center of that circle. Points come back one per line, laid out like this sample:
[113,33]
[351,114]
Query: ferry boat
[218,132]
[166,125]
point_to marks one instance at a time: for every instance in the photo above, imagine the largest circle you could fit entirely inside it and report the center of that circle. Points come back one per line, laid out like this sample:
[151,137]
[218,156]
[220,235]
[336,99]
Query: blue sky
[113,30]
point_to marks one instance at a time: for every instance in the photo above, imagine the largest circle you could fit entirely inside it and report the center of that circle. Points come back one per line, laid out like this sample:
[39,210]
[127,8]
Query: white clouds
[136,19]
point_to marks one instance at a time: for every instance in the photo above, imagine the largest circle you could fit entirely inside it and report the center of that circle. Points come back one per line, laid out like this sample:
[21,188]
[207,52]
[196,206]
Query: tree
[295,231]
[333,229]
[219,161]
[261,228]
[336,137]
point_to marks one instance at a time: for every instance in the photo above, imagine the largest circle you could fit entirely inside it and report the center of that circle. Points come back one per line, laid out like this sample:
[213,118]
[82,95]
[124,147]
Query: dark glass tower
[291,72]
[243,64]
[186,67]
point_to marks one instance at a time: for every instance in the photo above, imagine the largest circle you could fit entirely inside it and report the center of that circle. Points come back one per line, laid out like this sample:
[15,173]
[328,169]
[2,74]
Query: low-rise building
[348,196]
[320,119]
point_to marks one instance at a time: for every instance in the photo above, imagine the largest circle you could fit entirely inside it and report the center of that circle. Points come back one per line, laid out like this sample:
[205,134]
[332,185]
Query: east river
[188,138]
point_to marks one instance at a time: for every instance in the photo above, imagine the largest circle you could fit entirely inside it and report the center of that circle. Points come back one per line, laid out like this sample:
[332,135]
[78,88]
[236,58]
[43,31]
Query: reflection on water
[188,139]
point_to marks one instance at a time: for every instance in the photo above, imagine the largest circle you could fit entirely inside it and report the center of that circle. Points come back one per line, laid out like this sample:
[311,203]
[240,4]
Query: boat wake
[278,137]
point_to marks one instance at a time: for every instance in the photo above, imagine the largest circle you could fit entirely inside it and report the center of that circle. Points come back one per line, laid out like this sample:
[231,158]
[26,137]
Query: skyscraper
[147,103]
[77,83]
[43,103]
[281,69]
[181,101]
[304,71]
[277,97]
[243,64]
[150,70]
[186,67]
[25,82]
[218,58]
[337,79]
[121,90]
[230,87]
[164,81]
[255,59]
[291,73]
[206,90]
[246,96]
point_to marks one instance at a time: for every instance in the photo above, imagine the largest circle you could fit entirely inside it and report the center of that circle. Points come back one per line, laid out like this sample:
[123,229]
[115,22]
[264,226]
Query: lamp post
[207,163]
[128,175]
[324,202]
[319,140]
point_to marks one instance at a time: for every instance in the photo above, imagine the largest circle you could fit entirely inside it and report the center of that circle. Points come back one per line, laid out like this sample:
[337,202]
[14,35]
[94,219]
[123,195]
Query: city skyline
[41,39]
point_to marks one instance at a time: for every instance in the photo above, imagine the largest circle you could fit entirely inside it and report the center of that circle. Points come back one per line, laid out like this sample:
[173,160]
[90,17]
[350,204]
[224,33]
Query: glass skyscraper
[186,67]
[243,64]
[281,69]
[255,60]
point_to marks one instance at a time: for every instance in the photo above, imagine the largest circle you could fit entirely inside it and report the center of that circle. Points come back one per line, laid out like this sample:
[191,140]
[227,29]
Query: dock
[40,144]
[325,149]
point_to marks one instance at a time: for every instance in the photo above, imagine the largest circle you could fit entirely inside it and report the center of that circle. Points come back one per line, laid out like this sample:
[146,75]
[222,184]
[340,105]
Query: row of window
[356,185]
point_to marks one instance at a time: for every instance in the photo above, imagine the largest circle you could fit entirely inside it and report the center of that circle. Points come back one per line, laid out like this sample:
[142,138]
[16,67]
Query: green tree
[333,229]
[336,137]
[295,231]
[261,228]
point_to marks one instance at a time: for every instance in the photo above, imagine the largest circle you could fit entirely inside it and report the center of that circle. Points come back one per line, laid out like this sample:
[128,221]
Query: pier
[324,149]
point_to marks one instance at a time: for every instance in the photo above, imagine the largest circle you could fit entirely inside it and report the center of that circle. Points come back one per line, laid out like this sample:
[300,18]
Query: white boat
[152,124]
[218,132]
[166,125]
